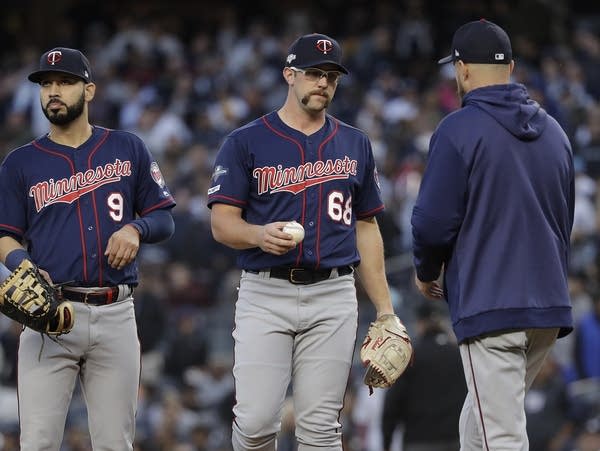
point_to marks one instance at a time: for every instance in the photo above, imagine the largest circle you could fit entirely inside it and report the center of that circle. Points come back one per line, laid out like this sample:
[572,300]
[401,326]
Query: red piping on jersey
[227,198]
[319,153]
[13,228]
[157,206]
[98,234]
[370,213]
[302,161]
[81,235]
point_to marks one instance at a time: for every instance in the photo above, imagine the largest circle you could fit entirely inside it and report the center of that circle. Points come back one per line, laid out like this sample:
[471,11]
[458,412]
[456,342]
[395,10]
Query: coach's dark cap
[314,49]
[480,42]
[63,59]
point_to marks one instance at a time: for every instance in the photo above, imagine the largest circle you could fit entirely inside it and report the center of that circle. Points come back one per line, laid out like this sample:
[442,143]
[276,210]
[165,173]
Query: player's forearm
[372,267]
[375,285]
[232,230]
[7,245]
[155,227]
[238,236]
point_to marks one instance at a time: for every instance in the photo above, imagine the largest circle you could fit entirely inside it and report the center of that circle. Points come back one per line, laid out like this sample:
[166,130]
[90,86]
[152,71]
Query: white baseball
[295,229]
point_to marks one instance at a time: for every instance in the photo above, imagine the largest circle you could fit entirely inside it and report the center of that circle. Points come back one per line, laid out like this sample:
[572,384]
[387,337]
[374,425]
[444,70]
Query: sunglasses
[315,74]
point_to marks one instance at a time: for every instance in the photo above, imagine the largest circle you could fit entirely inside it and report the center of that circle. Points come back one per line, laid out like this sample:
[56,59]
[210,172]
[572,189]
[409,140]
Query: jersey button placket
[91,255]
[311,213]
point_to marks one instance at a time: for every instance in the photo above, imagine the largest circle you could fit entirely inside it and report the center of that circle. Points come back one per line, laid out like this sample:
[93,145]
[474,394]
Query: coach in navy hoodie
[494,216]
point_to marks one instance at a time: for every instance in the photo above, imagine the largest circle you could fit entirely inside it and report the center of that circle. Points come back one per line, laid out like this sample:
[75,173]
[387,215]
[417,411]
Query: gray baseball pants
[499,369]
[103,352]
[303,334]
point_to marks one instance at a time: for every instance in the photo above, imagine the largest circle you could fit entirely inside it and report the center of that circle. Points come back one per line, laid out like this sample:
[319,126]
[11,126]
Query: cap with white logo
[63,59]
[314,49]
[480,42]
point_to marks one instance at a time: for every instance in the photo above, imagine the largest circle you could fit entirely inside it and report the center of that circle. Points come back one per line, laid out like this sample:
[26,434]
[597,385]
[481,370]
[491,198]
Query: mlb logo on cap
[65,60]
[480,42]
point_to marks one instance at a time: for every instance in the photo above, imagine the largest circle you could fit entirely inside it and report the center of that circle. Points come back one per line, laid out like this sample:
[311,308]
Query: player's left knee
[318,439]
[242,441]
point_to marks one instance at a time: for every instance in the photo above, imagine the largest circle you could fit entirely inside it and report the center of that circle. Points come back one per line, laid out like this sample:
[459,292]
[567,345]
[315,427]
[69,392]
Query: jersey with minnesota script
[66,202]
[325,181]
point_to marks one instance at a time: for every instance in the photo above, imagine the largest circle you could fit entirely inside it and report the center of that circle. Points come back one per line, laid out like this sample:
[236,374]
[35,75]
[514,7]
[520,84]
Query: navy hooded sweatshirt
[495,211]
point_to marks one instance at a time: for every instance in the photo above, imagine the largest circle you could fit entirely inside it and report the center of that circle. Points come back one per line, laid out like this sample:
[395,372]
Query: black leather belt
[104,296]
[304,276]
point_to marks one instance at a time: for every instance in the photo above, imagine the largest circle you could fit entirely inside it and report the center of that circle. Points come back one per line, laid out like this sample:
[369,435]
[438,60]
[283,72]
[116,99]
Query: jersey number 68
[337,209]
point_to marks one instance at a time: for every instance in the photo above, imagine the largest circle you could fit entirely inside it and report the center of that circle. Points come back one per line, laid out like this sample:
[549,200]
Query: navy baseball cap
[63,59]
[314,49]
[480,42]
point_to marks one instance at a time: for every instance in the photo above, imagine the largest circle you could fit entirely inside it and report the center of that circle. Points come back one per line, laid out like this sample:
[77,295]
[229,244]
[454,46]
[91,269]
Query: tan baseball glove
[26,297]
[386,351]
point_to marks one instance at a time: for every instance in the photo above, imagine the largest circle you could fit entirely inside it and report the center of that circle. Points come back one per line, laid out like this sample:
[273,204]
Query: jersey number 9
[115,204]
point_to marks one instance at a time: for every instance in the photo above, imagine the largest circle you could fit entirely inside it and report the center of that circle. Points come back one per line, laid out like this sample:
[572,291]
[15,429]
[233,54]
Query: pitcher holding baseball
[296,313]
[295,229]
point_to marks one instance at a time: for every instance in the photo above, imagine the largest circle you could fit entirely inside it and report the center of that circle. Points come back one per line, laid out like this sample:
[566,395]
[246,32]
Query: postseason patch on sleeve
[218,172]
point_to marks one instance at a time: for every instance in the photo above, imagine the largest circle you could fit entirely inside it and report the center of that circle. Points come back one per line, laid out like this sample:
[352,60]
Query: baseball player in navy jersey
[296,313]
[77,202]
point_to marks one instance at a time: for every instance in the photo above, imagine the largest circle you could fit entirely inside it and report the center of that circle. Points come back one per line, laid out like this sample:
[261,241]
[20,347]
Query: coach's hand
[431,290]
[274,240]
[122,247]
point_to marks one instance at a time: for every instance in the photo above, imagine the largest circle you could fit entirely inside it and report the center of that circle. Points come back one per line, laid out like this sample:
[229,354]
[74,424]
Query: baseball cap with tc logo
[480,42]
[314,49]
[63,59]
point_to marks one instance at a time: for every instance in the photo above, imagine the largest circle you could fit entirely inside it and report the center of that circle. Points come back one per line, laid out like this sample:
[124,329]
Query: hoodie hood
[511,106]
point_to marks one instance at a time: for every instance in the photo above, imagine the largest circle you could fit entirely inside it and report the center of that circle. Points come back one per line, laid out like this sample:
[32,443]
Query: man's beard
[60,118]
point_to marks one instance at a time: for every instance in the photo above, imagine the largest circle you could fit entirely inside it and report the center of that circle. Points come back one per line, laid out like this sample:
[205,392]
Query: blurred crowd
[182,75]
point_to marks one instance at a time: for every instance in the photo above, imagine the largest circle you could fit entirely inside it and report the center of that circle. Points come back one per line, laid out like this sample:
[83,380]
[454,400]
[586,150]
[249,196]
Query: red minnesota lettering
[68,190]
[297,179]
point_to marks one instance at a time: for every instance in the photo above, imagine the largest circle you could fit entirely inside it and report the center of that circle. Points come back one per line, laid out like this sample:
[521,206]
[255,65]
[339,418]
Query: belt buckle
[85,297]
[292,278]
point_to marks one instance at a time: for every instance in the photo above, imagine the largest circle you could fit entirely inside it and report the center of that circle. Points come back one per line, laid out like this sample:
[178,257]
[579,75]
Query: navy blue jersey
[325,181]
[66,202]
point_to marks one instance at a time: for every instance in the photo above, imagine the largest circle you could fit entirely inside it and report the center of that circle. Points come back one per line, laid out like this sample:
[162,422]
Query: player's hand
[122,247]
[431,290]
[273,240]
[45,275]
